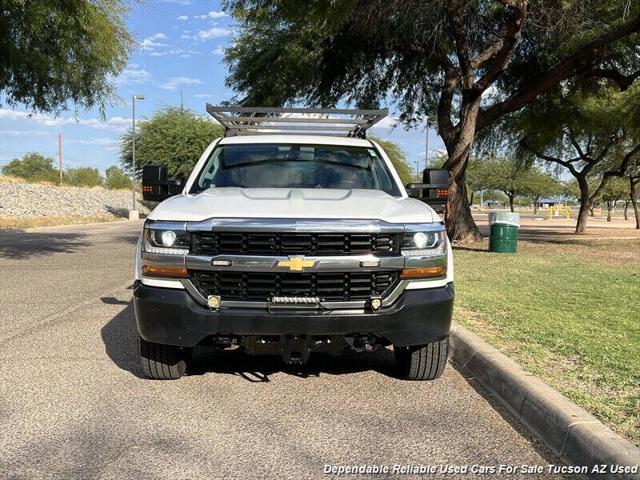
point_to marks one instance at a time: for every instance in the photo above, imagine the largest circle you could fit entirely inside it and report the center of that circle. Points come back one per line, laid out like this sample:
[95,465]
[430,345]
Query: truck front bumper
[172,317]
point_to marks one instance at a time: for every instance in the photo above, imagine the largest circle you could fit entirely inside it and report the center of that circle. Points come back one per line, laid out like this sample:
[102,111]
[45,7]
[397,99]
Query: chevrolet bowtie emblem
[296,264]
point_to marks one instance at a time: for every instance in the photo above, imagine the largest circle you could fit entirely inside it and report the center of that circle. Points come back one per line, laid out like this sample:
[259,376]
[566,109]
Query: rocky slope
[40,200]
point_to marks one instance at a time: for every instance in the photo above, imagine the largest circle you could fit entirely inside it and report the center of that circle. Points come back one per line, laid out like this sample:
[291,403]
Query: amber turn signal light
[158,271]
[443,193]
[423,272]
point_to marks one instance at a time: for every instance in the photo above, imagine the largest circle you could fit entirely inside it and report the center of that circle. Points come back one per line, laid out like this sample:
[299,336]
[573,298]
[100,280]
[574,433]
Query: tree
[633,183]
[397,157]
[174,137]
[83,177]
[33,166]
[612,193]
[589,132]
[116,179]
[471,62]
[511,177]
[54,52]
[541,184]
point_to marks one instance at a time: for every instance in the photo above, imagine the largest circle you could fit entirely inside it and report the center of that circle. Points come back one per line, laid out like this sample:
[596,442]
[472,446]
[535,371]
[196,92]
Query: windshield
[295,166]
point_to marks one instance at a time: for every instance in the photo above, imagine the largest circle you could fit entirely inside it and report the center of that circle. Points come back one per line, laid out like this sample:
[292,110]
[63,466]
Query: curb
[568,430]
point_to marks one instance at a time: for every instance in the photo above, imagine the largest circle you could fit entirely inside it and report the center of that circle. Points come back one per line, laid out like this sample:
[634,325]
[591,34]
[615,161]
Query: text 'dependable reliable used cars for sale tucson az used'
[294,234]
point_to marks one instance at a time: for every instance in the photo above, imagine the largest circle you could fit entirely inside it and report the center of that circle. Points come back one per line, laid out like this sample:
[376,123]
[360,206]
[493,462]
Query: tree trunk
[634,201]
[460,224]
[510,202]
[609,207]
[585,205]
[626,209]
[459,221]
[591,208]
[535,206]
[471,198]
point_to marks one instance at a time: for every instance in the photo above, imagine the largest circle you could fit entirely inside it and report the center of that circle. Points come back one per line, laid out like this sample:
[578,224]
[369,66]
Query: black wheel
[422,362]
[163,362]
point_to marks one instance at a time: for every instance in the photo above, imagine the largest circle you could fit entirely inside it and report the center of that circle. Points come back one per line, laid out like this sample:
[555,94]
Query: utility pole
[60,155]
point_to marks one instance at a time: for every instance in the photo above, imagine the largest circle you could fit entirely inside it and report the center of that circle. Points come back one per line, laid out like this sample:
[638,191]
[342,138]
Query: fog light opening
[213,301]
[375,302]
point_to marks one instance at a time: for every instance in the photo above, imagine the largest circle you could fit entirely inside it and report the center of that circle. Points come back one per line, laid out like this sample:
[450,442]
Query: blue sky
[180,47]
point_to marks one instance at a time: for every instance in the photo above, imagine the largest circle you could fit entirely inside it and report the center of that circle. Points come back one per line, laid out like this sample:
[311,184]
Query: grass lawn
[567,311]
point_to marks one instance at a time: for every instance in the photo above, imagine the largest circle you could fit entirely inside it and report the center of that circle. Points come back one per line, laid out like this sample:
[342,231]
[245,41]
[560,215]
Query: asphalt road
[73,403]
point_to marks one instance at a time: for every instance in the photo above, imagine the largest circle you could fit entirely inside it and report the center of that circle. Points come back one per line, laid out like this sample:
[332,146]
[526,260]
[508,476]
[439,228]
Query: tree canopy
[466,63]
[116,179]
[587,127]
[54,52]
[34,167]
[174,137]
[397,157]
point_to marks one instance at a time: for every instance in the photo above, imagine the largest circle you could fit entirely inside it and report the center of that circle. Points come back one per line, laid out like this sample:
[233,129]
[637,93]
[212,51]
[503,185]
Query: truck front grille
[294,243]
[262,286]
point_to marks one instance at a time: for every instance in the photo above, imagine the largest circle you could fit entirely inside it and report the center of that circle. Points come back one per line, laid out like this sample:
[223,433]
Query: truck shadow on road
[120,337]
[22,244]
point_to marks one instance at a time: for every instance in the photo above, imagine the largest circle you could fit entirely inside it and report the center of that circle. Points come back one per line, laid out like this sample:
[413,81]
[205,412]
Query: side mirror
[434,190]
[156,186]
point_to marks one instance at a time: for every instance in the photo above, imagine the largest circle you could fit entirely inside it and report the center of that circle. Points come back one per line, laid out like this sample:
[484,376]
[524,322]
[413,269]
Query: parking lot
[73,403]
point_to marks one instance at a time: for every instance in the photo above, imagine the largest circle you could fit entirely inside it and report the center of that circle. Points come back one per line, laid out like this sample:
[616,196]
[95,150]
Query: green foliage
[511,177]
[83,177]
[56,51]
[397,157]
[174,137]
[115,178]
[33,167]
[329,51]
[616,189]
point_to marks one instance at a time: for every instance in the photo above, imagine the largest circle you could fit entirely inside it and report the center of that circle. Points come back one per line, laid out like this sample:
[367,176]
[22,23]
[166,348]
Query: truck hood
[307,203]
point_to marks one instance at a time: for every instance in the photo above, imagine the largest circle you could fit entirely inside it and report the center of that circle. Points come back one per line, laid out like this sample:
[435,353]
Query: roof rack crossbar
[236,121]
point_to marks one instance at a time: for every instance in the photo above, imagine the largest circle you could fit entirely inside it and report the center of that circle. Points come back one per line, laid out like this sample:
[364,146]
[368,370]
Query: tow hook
[296,349]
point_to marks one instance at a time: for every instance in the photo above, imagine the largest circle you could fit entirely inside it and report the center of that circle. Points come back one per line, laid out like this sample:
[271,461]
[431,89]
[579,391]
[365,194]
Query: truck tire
[163,362]
[422,362]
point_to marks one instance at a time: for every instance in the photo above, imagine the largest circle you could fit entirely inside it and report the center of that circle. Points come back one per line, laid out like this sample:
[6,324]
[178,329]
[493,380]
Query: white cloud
[214,32]
[183,17]
[103,141]
[203,95]
[176,82]
[211,15]
[133,75]
[117,123]
[26,133]
[175,51]
[218,51]
[151,42]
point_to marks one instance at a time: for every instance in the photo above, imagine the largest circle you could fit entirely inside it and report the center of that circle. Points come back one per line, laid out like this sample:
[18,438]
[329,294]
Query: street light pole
[133,214]
[426,145]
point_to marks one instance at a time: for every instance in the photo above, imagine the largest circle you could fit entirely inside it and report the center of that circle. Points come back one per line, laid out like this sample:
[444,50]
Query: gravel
[33,200]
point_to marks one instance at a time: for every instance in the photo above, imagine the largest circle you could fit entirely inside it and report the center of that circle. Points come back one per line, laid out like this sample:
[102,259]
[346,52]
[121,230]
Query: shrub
[83,177]
[33,167]
[115,178]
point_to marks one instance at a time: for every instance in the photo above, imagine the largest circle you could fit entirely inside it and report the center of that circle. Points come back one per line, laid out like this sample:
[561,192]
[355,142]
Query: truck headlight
[425,244]
[166,238]
[425,252]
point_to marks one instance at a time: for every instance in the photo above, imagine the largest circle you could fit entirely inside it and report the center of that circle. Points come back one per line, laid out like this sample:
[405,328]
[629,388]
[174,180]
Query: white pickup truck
[288,240]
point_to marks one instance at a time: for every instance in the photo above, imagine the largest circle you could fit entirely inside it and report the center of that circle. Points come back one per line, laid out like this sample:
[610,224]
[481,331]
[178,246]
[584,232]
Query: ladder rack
[312,121]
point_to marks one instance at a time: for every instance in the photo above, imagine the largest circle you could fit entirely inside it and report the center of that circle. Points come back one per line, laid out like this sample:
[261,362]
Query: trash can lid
[505,218]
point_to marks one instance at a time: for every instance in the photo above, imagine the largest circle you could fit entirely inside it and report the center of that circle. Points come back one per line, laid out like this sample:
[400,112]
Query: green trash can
[504,232]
